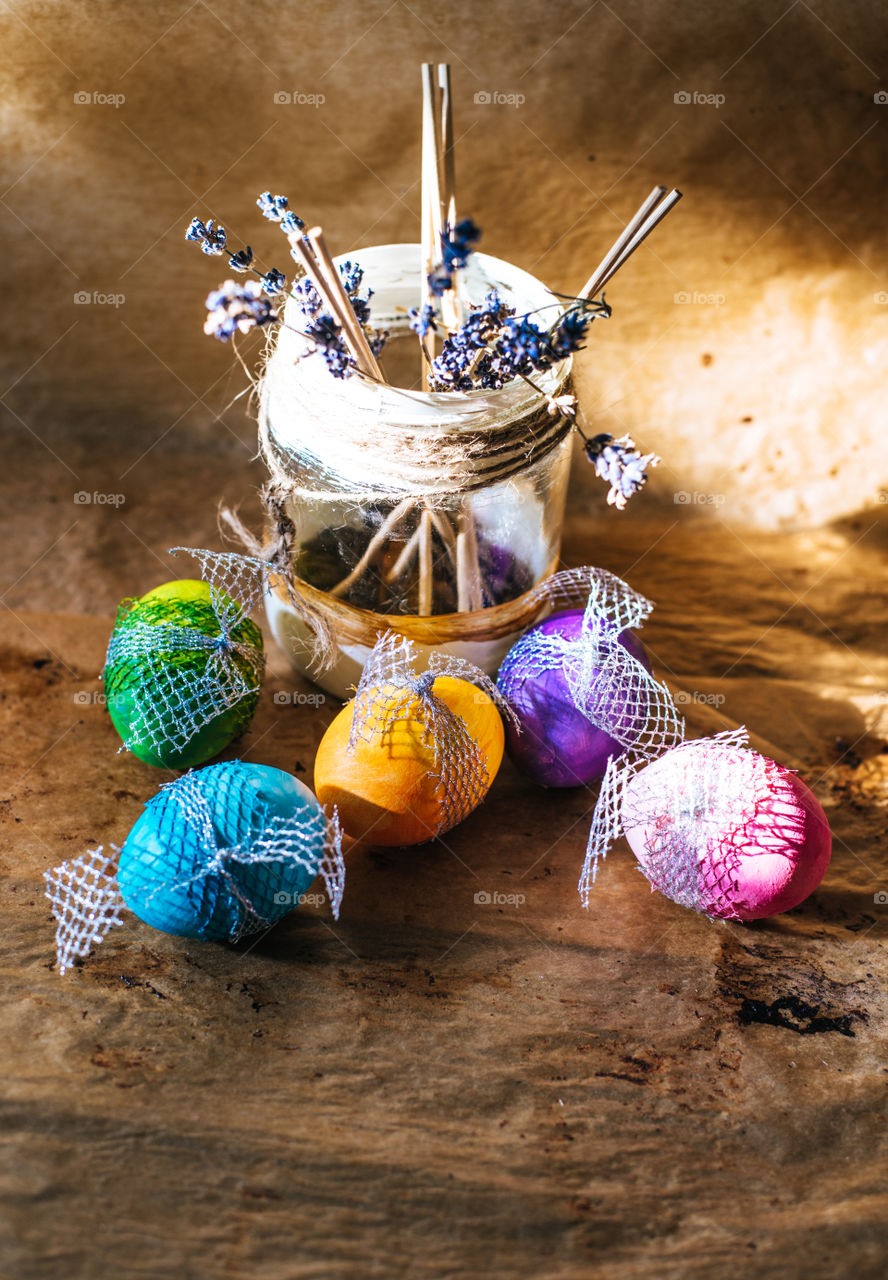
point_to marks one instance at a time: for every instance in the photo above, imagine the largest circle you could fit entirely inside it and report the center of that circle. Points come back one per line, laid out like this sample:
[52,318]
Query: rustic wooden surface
[437,1087]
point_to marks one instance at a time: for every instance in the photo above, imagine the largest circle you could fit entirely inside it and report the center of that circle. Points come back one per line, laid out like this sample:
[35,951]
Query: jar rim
[364,437]
[463,404]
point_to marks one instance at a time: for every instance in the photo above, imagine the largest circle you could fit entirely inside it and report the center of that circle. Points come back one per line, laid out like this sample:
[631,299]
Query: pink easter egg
[726,831]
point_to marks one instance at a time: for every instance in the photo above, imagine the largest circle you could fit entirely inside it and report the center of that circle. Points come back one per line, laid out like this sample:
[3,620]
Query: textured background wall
[748,339]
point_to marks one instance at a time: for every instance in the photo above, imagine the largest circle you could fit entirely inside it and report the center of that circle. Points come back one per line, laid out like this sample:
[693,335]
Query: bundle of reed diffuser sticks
[417,537]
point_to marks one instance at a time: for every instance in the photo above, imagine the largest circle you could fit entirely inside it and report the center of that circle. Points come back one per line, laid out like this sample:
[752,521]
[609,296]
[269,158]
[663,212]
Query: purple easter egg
[557,746]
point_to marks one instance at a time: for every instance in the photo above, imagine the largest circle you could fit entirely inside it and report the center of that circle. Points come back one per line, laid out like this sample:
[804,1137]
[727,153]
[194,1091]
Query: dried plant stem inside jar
[408,501]
[397,553]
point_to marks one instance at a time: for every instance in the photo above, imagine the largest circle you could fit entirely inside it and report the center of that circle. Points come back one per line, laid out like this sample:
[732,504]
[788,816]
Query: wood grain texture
[434,1087]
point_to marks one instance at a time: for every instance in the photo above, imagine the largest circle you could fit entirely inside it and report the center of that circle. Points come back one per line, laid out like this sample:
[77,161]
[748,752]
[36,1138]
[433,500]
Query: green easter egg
[129,691]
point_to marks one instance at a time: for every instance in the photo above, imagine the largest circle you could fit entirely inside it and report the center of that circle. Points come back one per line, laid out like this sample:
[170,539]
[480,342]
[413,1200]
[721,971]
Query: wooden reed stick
[425,563]
[375,545]
[593,284]
[406,554]
[642,234]
[336,291]
[445,532]
[313,271]
[439,189]
[451,305]
[430,217]
[468,572]
[448,154]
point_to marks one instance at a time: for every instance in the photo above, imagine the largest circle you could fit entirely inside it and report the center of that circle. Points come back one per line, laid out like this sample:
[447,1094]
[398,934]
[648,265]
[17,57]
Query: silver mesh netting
[616,693]
[390,691]
[602,594]
[693,845]
[86,903]
[188,880]
[178,678]
[607,683]
[241,578]
[718,811]
[269,844]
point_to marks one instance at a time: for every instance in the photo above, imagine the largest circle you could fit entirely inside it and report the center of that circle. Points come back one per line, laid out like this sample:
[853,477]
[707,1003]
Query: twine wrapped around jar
[355,439]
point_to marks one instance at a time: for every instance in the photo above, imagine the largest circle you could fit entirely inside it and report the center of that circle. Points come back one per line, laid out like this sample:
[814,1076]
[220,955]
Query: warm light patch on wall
[767,408]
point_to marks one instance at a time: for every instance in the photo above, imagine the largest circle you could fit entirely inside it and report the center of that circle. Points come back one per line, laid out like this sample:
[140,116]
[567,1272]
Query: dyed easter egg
[557,746]
[170,874]
[726,831]
[385,789]
[149,690]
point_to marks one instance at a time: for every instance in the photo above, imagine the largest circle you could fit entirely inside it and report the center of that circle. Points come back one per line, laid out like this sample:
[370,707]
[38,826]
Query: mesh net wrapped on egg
[217,854]
[413,754]
[717,828]
[459,767]
[580,682]
[184,668]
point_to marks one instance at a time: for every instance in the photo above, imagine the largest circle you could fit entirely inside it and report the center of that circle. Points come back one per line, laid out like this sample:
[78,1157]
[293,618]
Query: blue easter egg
[169,873]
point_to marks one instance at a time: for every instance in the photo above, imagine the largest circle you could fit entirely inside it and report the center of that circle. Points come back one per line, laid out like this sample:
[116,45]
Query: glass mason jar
[432,514]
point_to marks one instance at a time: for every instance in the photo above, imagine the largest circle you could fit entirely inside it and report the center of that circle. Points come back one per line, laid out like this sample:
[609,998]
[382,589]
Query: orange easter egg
[385,789]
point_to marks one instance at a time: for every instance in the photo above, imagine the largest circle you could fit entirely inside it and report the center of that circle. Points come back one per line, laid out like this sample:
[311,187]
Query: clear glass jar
[428,513]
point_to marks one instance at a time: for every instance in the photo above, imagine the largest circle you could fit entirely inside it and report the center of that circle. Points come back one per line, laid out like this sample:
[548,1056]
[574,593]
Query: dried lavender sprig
[456,245]
[327,336]
[212,240]
[308,298]
[274,208]
[620,464]
[495,345]
[239,308]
